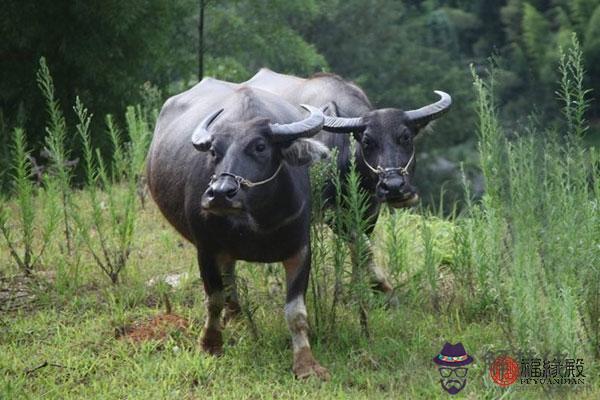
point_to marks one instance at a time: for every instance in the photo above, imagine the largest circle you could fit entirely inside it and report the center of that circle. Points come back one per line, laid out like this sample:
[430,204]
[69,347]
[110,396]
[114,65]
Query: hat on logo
[453,355]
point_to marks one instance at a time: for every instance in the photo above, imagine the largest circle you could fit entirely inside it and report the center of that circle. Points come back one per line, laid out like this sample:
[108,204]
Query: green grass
[75,329]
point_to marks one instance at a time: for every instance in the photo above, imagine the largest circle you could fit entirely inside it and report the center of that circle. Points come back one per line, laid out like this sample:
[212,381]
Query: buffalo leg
[297,270]
[212,338]
[232,304]
[377,275]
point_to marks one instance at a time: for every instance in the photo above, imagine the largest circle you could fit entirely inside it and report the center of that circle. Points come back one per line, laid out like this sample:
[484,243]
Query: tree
[100,50]
[243,36]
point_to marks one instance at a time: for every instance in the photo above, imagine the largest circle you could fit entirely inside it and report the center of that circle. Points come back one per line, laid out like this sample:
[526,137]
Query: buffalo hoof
[306,366]
[382,286]
[392,302]
[391,299]
[212,342]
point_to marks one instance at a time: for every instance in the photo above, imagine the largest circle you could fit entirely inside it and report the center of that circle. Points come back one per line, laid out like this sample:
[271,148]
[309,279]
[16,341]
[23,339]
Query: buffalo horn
[344,125]
[430,112]
[307,127]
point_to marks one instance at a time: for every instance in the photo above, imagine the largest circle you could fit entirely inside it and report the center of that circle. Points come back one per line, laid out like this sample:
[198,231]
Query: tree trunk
[201,42]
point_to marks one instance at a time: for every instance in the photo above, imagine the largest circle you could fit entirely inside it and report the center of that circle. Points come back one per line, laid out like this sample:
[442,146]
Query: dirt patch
[157,328]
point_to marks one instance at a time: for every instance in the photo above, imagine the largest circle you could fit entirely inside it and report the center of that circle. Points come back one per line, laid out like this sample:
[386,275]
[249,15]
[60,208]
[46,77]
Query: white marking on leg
[296,318]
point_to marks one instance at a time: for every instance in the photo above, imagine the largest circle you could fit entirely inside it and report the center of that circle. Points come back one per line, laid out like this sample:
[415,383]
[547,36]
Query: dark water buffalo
[385,154]
[228,167]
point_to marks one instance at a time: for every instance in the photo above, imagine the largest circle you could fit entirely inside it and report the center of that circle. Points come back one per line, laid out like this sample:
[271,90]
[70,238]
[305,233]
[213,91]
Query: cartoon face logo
[451,364]
[453,379]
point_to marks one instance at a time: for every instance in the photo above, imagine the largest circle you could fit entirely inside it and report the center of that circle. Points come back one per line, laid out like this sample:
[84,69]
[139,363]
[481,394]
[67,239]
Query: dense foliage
[397,51]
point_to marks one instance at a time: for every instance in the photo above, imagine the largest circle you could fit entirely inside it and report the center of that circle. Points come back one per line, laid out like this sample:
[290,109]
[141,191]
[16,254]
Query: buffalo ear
[201,137]
[417,127]
[304,151]
[203,143]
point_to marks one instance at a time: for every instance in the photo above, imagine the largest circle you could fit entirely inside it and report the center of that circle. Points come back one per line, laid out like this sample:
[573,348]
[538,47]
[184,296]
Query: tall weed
[533,238]
[60,173]
[27,227]
[108,229]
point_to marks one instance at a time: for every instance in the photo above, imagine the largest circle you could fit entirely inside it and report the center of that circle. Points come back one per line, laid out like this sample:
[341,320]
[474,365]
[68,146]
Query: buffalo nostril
[383,187]
[230,193]
[221,192]
[396,185]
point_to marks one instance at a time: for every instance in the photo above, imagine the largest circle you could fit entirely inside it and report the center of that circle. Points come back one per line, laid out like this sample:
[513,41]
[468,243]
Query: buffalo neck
[286,203]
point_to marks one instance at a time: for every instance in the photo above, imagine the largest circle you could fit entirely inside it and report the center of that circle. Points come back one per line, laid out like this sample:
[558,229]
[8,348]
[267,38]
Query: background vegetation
[85,259]
[398,51]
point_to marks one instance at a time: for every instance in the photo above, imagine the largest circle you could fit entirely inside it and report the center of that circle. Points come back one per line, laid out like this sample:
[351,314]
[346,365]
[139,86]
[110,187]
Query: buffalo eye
[214,154]
[367,142]
[260,147]
[404,137]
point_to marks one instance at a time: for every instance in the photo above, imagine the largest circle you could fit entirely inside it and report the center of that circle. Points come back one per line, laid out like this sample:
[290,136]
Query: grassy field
[79,332]
[83,291]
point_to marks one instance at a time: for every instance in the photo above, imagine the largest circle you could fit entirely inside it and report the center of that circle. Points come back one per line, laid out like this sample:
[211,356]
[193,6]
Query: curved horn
[307,127]
[336,124]
[344,125]
[201,138]
[430,112]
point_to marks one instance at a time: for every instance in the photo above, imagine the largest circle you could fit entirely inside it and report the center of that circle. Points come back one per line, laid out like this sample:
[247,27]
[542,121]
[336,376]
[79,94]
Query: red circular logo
[504,371]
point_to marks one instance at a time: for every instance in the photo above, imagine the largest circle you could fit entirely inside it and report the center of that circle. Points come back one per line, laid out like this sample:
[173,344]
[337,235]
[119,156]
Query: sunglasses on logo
[447,372]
